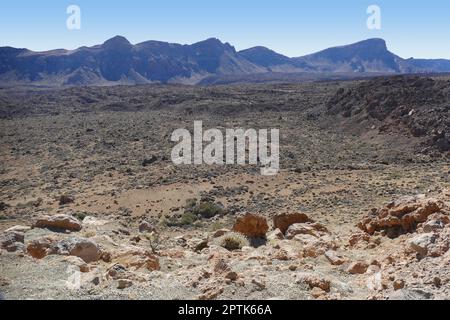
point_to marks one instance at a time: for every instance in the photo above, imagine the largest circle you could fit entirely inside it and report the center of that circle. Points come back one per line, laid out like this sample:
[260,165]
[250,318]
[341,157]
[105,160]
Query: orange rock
[402,216]
[358,267]
[283,221]
[251,225]
[39,248]
[314,281]
[136,258]
[59,221]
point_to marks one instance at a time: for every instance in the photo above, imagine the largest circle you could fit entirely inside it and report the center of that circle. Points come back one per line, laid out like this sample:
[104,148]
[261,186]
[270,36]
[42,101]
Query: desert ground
[359,210]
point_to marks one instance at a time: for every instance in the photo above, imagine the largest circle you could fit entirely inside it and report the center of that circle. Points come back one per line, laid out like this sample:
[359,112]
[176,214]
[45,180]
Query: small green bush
[186,219]
[207,210]
[80,215]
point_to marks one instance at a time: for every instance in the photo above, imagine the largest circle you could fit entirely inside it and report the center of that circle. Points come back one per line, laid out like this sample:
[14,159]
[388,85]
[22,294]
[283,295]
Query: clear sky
[412,28]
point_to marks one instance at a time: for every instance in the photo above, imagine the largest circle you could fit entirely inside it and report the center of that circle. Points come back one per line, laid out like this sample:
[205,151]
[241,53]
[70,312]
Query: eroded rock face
[251,225]
[59,222]
[283,221]
[402,216]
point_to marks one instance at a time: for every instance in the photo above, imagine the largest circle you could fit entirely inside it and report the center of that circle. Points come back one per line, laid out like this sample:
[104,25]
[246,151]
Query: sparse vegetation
[208,210]
[233,241]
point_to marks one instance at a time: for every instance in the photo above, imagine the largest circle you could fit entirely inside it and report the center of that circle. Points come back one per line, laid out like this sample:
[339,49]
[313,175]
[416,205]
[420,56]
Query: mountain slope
[117,61]
[366,56]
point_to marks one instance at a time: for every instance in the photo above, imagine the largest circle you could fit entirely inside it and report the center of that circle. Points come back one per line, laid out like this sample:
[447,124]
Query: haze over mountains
[117,61]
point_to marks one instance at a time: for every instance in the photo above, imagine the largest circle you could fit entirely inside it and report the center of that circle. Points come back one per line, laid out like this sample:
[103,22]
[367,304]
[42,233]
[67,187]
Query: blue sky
[293,27]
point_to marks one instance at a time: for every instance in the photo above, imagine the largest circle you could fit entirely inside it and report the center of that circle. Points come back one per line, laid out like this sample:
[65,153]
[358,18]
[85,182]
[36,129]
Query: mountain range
[117,61]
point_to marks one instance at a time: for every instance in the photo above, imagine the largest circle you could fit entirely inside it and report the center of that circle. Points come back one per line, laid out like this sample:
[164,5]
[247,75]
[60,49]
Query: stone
[251,225]
[402,216]
[233,276]
[357,238]
[210,292]
[399,284]
[220,266]
[58,222]
[197,244]
[314,247]
[312,229]
[124,283]
[422,242]
[275,235]
[65,199]
[358,267]
[318,293]
[259,283]
[83,248]
[433,225]
[220,232]
[283,221]
[40,248]
[21,229]
[78,262]
[334,258]
[314,281]
[12,241]
[94,222]
[146,226]
[411,295]
[136,258]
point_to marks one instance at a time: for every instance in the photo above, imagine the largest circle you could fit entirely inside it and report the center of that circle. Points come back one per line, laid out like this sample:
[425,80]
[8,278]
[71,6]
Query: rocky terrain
[419,107]
[92,207]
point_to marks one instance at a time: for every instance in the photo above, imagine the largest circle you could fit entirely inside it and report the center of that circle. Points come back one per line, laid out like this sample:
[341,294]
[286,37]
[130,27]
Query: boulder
[283,221]
[136,258]
[358,267]
[94,222]
[413,294]
[275,235]
[39,248]
[422,243]
[313,229]
[59,222]
[78,262]
[251,225]
[220,232]
[21,229]
[197,244]
[12,241]
[83,248]
[313,246]
[334,258]
[146,226]
[314,281]
[124,283]
[357,238]
[402,216]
